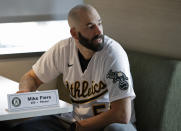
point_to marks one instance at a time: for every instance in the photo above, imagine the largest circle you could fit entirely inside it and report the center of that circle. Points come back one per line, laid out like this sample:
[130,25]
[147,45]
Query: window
[24,37]
[28,26]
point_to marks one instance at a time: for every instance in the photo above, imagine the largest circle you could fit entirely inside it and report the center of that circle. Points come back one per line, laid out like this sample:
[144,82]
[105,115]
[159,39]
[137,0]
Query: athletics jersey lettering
[84,92]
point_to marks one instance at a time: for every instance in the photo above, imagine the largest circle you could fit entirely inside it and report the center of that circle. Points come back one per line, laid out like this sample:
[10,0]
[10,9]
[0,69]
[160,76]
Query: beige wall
[15,68]
[146,25]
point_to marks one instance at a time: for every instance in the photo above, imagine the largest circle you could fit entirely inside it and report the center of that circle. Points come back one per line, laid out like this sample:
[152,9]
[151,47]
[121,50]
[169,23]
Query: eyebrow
[88,24]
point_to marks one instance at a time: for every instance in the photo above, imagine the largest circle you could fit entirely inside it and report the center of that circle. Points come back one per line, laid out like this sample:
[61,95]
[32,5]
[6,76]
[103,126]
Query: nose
[98,30]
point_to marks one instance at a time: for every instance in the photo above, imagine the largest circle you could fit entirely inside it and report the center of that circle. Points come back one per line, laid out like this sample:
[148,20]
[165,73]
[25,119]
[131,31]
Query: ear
[74,33]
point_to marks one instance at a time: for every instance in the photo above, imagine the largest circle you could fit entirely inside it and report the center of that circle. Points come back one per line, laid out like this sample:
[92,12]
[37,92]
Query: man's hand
[23,91]
[29,82]
[79,127]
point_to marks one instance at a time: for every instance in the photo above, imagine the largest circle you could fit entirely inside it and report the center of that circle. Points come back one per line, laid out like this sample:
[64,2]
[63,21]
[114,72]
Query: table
[8,86]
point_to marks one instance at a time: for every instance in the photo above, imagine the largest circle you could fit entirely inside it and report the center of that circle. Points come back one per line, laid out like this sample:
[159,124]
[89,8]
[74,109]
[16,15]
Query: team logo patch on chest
[120,77]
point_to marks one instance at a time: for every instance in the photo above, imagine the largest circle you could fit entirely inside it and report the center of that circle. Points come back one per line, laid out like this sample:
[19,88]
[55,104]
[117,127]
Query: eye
[91,26]
[100,23]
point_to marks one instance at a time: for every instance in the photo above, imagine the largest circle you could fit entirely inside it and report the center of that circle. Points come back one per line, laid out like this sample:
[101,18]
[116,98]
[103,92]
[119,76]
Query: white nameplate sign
[32,100]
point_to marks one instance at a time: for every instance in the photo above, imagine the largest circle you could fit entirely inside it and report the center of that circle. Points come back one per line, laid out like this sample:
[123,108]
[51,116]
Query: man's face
[90,33]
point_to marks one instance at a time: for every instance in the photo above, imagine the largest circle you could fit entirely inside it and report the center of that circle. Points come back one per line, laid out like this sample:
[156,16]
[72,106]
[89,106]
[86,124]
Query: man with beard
[96,73]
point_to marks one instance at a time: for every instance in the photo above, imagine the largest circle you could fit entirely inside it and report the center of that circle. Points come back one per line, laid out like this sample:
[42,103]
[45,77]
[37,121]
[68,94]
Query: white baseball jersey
[106,79]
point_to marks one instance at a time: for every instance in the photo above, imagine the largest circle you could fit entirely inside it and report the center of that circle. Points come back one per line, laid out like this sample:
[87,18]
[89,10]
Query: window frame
[21,55]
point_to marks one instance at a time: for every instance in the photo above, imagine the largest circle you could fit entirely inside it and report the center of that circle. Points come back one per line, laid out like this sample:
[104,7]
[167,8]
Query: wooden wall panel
[151,26]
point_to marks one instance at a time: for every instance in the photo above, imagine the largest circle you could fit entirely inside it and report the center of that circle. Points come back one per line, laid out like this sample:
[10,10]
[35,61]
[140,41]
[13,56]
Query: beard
[91,44]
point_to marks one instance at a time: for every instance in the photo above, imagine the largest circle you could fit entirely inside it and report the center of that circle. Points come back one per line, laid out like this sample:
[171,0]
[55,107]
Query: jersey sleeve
[117,74]
[50,64]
